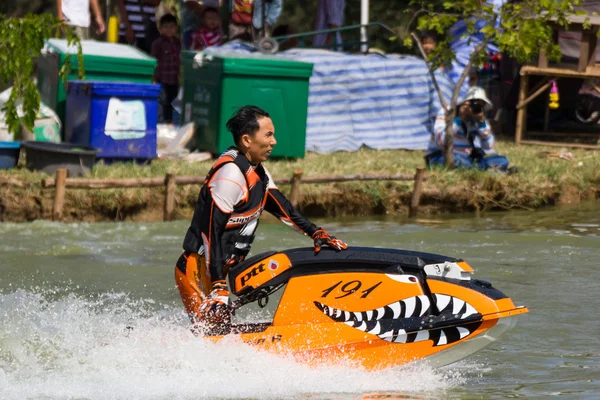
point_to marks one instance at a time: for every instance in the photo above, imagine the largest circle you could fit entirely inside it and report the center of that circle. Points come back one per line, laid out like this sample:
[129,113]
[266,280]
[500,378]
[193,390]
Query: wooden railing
[170,181]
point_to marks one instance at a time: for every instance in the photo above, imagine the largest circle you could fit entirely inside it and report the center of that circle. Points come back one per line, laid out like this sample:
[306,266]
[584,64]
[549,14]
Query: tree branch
[431,74]
[466,71]
[414,17]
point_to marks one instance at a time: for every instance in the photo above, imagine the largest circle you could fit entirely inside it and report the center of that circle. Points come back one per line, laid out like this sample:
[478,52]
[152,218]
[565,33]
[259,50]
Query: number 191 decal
[349,288]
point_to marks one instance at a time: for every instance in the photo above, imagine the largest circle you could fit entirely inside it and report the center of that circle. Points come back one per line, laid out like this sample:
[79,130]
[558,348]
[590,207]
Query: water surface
[68,292]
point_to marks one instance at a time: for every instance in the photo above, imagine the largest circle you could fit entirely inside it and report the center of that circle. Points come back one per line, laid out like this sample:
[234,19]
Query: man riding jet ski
[375,308]
[235,192]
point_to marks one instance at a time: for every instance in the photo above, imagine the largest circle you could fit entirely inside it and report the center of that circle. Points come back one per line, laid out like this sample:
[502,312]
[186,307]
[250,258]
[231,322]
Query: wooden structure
[170,182]
[588,25]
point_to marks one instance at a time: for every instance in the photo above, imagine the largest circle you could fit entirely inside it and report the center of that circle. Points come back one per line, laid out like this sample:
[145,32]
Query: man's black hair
[210,9]
[245,121]
[167,19]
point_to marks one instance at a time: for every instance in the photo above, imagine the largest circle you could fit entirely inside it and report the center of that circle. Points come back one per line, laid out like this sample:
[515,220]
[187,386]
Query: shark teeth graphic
[409,320]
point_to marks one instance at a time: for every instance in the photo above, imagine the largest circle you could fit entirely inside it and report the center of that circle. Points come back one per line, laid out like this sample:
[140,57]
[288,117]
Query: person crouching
[473,140]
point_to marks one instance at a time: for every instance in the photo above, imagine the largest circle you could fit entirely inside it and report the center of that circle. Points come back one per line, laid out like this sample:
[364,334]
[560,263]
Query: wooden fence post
[415,199]
[295,190]
[59,194]
[169,197]
[521,126]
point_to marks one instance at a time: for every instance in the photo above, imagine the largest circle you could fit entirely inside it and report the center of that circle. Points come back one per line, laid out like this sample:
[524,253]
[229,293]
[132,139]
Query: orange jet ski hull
[370,308]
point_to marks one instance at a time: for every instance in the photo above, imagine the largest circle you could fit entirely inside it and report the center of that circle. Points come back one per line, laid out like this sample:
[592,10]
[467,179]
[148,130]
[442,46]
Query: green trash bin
[108,62]
[220,83]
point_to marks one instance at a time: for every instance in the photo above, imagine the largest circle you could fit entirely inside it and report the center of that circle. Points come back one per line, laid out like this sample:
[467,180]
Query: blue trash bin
[119,119]
[9,154]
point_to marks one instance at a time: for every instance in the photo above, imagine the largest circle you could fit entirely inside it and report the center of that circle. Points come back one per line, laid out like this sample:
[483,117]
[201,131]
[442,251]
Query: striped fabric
[480,131]
[203,38]
[357,100]
[463,46]
[138,14]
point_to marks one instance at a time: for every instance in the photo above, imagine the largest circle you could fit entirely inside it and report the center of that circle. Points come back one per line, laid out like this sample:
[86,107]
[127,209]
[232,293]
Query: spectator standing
[330,15]
[271,14]
[138,23]
[76,13]
[191,18]
[167,50]
[240,25]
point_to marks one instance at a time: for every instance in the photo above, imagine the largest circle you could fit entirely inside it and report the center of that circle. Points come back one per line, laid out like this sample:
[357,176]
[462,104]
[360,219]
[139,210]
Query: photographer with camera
[473,141]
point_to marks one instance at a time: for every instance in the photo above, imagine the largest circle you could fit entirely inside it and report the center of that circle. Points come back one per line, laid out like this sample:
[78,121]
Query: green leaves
[21,41]
[524,28]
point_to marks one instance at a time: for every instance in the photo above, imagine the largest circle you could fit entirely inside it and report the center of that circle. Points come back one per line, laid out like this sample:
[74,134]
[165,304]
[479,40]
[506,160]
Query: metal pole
[364,20]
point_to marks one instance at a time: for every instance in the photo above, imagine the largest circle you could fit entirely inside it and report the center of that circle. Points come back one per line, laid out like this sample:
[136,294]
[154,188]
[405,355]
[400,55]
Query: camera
[476,107]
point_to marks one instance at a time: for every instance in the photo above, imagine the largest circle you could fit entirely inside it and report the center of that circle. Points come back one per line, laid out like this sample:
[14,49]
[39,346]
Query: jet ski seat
[356,259]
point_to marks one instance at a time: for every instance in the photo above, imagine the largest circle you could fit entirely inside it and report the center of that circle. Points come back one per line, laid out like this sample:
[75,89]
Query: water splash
[55,344]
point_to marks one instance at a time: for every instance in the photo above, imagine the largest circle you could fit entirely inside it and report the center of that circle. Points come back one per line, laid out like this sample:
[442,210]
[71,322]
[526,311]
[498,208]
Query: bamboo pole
[295,190]
[521,112]
[59,194]
[547,117]
[415,199]
[170,182]
[587,49]
[76,183]
[562,144]
[535,94]
[556,72]
[189,180]
[567,134]
[348,178]
[107,183]
[538,85]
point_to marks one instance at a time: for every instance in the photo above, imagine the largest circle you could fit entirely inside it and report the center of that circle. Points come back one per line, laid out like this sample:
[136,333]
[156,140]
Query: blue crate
[9,154]
[119,119]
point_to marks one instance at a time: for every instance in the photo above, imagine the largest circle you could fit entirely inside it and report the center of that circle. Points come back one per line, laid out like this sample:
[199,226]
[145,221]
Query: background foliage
[21,41]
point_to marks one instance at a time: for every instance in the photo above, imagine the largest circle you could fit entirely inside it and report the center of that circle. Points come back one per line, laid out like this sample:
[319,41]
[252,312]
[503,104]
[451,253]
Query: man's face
[464,110]
[262,142]
[211,20]
[168,29]
[428,45]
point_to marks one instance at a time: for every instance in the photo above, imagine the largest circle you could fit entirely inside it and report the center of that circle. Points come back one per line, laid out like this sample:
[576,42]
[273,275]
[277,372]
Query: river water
[68,292]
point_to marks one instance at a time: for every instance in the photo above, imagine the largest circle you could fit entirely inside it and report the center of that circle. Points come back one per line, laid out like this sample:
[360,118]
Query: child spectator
[209,32]
[429,40]
[167,49]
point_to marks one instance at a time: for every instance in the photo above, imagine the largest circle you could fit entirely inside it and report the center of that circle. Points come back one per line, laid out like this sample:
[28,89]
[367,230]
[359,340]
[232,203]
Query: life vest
[242,223]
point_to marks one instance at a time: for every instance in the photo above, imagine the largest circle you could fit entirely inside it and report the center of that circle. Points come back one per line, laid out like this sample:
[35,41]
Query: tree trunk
[448,138]
[451,110]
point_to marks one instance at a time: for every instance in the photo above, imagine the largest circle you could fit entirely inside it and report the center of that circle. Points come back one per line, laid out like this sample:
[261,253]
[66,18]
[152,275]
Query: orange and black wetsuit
[234,194]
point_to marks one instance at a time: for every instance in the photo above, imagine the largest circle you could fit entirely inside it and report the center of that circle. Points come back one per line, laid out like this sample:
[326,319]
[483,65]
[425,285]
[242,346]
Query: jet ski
[374,308]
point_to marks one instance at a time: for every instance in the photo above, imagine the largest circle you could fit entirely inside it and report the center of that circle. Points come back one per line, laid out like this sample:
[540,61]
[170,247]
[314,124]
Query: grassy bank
[542,181]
